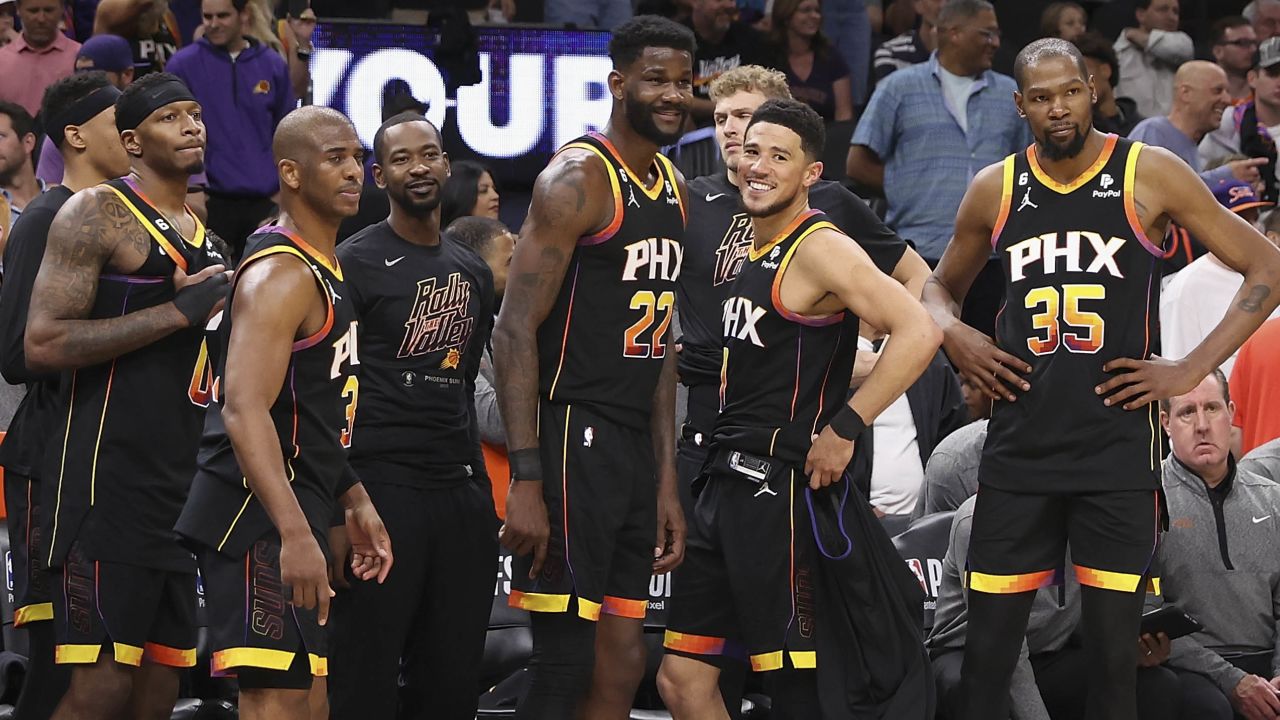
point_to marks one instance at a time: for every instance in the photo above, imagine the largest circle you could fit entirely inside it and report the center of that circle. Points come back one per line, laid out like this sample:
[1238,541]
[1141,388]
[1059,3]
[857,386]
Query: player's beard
[414,207]
[640,115]
[1050,150]
[772,208]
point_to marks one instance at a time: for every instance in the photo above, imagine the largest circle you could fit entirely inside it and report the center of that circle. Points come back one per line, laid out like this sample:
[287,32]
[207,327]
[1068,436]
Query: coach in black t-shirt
[426,310]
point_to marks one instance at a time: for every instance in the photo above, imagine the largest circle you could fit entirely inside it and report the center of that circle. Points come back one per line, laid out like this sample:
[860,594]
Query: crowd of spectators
[918,82]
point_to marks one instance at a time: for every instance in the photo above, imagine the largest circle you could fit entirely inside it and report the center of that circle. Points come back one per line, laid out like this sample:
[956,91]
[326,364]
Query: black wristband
[525,464]
[195,301]
[847,423]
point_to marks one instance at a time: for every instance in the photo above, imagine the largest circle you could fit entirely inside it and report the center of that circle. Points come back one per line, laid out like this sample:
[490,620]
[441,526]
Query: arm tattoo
[1253,301]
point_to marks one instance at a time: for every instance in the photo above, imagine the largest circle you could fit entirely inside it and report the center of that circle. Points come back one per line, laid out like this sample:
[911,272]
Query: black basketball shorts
[747,589]
[601,495]
[137,613]
[1019,540]
[254,630]
[31,600]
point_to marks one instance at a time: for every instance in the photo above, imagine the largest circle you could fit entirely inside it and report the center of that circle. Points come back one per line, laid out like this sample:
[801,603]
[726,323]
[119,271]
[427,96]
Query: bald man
[1200,94]
[259,517]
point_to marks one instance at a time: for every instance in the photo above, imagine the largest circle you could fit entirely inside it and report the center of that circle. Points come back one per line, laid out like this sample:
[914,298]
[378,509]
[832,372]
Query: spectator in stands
[18,182]
[903,438]
[1050,678]
[1265,15]
[951,474]
[1247,128]
[1264,460]
[723,44]
[244,90]
[148,25]
[911,47]
[8,12]
[1197,297]
[1217,562]
[40,57]
[930,128]
[816,73]
[110,54]
[603,14]
[678,10]
[850,27]
[1199,99]
[494,243]
[1066,20]
[1150,54]
[470,190]
[1111,114]
[1233,42]
[1256,381]
[293,41]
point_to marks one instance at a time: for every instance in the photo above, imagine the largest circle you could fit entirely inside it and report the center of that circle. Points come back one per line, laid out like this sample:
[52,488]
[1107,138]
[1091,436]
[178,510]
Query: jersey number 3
[1087,328]
[637,342]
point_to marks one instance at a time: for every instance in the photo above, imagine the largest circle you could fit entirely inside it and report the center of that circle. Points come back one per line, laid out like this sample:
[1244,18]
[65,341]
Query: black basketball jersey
[783,375]
[125,443]
[604,341]
[314,414]
[716,244]
[425,312]
[1082,284]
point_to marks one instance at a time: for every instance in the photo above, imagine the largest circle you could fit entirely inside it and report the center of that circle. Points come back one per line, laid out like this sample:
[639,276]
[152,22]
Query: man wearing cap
[109,54]
[1249,129]
[80,117]
[37,59]
[128,281]
[1197,297]
[244,89]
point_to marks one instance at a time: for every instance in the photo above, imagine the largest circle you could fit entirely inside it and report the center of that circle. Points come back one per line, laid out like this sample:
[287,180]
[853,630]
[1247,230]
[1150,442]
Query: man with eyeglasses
[1234,41]
[1249,128]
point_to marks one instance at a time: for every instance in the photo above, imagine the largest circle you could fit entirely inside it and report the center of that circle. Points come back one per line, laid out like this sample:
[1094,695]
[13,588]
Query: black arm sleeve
[22,257]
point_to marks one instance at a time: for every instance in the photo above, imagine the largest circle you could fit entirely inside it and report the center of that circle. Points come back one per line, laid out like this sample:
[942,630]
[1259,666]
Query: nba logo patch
[588,435]
[262,88]
[916,568]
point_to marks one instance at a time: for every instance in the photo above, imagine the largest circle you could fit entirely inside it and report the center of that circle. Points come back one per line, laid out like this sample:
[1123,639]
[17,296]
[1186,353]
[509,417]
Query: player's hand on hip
[1138,382]
[984,365]
[828,458]
[1255,699]
[1153,650]
[339,552]
[527,528]
[305,573]
[371,555]
[668,552]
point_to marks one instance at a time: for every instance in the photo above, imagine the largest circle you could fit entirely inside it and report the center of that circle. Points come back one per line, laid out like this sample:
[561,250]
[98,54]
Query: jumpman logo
[764,488]
[1026,202]
[632,200]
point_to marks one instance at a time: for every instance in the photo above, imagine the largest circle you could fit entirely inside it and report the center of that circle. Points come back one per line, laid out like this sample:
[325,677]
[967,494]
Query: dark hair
[1218,30]
[1141,4]
[797,117]
[1167,403]
[399,102]
[956,10]
[783,10]
[405,117]
[21,120]
[1046,48]
[475,232]
[645,31]
[1052,17]
[459,194]
[1093,45]
[18,4]
[65,93]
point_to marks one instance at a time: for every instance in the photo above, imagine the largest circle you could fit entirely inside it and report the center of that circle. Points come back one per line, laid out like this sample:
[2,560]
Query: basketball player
[426,310]
[586,384]
[127,282]
[274,454]
[1073,450]
[717,245]
[82,124]
[790,329]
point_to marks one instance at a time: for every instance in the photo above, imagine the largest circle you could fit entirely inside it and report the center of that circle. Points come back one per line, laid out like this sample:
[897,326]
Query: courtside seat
[922,546]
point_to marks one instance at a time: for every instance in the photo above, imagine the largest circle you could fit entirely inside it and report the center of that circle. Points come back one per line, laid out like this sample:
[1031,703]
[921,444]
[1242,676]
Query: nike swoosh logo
[1258,520]
[393,262]
[712,198]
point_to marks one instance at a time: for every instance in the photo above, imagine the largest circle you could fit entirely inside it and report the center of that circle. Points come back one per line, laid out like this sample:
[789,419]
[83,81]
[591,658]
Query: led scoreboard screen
[540,88]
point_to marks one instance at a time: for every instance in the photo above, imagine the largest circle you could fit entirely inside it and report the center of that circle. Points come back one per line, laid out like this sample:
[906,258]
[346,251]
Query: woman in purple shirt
[816,72]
